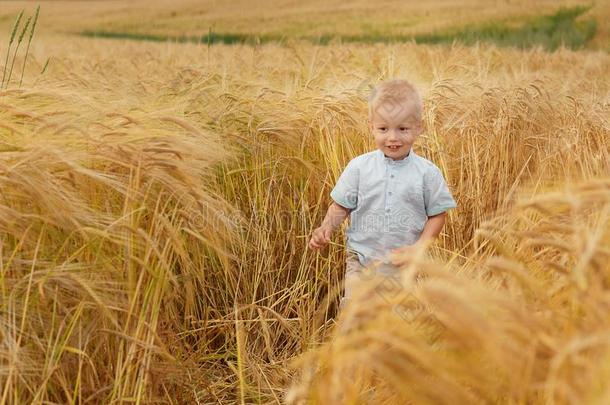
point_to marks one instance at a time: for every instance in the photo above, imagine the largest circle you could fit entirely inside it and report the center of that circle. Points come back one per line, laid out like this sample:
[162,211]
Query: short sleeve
[437,196]
[345,192]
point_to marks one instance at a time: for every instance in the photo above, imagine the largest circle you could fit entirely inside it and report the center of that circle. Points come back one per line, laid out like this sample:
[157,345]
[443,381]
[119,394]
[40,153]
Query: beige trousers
[356,273]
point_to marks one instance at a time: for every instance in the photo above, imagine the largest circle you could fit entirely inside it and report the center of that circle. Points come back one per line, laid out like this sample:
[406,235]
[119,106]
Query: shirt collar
[400,162]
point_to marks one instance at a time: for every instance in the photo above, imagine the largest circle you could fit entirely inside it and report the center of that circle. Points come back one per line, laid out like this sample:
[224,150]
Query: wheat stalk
[10,43]
[25,28]
[29,42]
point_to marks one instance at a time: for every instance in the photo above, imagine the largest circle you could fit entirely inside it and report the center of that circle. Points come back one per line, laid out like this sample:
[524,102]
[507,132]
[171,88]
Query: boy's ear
[421,127]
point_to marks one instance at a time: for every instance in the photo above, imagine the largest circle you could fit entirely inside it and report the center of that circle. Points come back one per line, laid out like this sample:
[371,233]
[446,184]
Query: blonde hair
[396,92]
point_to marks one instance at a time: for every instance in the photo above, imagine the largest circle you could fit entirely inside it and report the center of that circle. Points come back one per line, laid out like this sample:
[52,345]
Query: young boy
[395,198]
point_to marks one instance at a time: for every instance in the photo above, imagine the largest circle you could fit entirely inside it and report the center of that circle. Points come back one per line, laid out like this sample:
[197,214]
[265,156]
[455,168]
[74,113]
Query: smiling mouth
[393,147]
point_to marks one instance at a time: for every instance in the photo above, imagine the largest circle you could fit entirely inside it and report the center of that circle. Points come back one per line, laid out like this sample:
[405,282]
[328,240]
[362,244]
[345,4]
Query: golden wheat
[157,200]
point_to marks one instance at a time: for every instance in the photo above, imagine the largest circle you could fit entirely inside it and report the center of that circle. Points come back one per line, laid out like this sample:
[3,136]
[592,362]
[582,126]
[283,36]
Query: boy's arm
[432,228]
[335,216]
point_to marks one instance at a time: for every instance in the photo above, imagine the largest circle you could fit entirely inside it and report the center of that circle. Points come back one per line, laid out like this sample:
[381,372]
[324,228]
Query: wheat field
[158,197]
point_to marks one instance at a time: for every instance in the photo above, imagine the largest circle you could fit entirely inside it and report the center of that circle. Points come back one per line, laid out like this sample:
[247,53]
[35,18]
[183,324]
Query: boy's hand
[320,237]
[406,254]
[402,256]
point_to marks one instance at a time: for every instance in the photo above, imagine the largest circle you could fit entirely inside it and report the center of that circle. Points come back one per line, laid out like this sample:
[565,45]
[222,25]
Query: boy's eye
[404,129]
[382,128]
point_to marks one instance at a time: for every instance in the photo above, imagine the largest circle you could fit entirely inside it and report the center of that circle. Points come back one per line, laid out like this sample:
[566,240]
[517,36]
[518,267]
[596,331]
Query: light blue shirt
[391,201]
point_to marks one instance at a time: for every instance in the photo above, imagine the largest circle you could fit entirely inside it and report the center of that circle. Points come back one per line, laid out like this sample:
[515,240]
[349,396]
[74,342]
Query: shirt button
[389,193]
[391,175]
[387,210]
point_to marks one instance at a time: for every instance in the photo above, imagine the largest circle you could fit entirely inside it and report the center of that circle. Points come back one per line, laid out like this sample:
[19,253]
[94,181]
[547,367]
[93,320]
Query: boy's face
[395,128]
